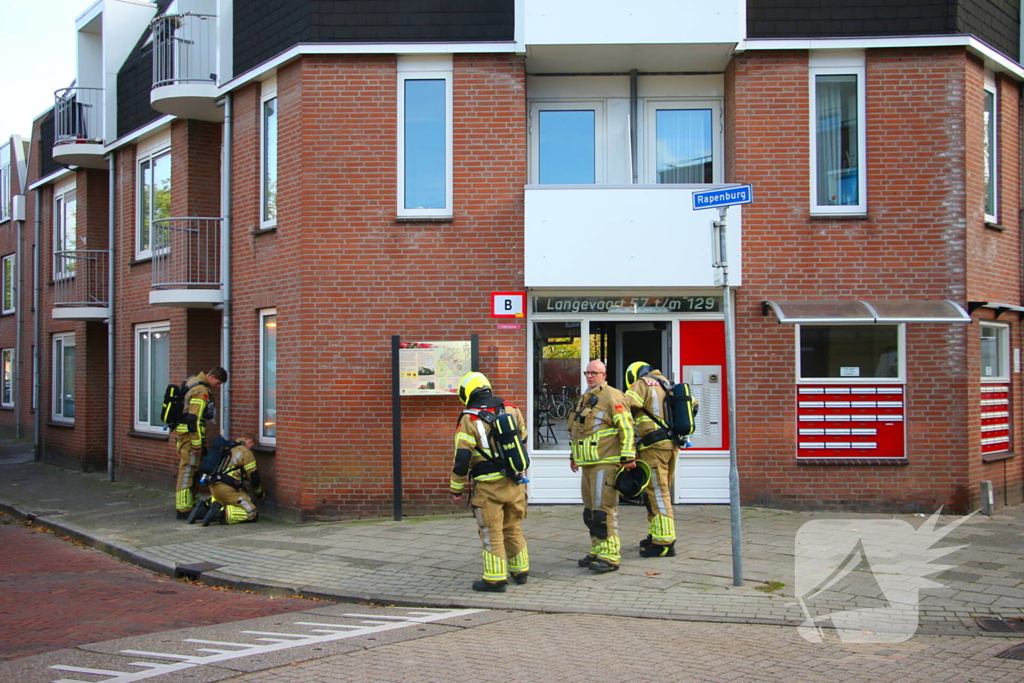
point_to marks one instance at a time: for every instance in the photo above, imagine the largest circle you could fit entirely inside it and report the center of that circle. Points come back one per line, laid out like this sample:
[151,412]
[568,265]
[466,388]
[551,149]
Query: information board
[433,368]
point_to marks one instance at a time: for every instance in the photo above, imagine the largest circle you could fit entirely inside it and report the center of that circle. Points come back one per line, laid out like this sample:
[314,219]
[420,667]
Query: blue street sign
[727,196]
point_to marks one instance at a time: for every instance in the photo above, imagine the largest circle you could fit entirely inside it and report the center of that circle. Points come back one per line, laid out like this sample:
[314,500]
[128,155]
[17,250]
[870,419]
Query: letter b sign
[508,305]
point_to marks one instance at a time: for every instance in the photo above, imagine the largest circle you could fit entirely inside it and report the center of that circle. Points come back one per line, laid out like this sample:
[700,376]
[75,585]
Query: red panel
[850,421]
[702,342]
[995,418]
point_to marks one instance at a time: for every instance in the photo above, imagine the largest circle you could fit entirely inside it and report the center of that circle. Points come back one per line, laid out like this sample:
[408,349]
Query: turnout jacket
[241,465]
[472,437]
[601,427]
[648,392]
[195,402]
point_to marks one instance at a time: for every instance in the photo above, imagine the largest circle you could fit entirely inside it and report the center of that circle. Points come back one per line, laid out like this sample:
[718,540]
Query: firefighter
[191,435]
[601,440]
[229,502]
[498,501]
[646,398]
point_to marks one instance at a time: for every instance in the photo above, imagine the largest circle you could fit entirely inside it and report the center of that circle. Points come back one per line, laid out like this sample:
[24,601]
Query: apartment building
[292,189]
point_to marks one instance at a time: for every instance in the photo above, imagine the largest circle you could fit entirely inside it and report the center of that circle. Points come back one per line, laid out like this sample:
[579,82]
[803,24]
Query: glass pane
[849,351]
[992,352]
[159,373]
[566,144]
[70,234]
[68,384]
[838,162]
[425,157]
[8,284]
[556,381]
[270,160]
[145,195]
[7,398]
[143,370]
[162,187]
[58,375]
[269,388]
[990,153]
[684,148]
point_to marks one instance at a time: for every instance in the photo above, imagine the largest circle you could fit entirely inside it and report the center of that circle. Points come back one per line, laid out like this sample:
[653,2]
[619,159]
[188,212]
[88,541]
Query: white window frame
[992,158]
[268,93]
[161,326]
[7,378]
[426,67]
[1002,351]
[149,150]
[839,63]
[598,106]
[649,160]
[63,194]
[901,342]
[5,192]
[59,343]
[268,440]
[8,286]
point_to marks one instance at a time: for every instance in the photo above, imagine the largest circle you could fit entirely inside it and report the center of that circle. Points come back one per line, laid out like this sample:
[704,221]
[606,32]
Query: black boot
[199,511]
[489,587]
[216,510]
[644,542]
[521,578]
[653,550]
[586,560]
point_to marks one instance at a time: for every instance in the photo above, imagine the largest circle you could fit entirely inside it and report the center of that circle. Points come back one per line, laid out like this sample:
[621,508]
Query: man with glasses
[601,439]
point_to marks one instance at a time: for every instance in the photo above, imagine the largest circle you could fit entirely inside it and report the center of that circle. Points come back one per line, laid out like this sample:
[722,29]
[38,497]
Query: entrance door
[648,342]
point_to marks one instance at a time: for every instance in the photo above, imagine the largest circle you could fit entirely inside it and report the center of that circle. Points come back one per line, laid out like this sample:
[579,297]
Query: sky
[38,37]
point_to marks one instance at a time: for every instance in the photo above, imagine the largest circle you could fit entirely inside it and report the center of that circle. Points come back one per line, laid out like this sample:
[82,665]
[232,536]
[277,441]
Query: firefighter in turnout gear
[647,393]
[191,435]
[229,502]
[498,502]
[601,439]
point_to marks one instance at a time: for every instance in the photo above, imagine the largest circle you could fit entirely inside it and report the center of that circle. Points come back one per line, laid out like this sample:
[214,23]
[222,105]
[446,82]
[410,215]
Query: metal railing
[80,278]
[78,116]
[184,49]
[186,253]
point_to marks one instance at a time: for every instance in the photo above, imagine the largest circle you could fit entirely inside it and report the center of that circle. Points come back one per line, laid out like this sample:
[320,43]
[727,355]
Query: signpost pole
[396,428]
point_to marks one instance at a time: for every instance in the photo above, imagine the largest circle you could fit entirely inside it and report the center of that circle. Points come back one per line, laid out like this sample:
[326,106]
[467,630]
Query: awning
[830,312]
[999,308]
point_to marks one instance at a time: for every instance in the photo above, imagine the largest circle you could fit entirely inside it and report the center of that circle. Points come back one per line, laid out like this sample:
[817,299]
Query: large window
[65,230]
[8,284]
[424,137]
[64,377]
[7,390]
[990,124]
[154,184]
[5,192]
[565,143]
[556,376]
[848,352]
[268,158]
[838,181]
[152,363]
[268,376]
[995,352]
[682,144]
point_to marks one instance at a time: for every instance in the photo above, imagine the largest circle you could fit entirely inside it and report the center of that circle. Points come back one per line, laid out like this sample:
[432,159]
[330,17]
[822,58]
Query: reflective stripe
[485,533]
[493,476]
[520,563]
[495,568]
[457,485]
[609,549]
[234,514]
[662,529]
[250,467]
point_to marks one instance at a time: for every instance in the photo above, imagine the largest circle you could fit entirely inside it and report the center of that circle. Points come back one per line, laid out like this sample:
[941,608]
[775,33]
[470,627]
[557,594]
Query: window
[5,192]
[8,275]
[268,376]
[7,391]
[995,353]
[152,371]
[65,231]
[154,196]
[64,377]
[268,158]
[424,137]
[683,144]
[990,126]
[838,184]
[850,351]
[565,136]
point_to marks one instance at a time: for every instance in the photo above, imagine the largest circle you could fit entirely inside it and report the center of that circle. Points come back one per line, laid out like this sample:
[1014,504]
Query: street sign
[727,196]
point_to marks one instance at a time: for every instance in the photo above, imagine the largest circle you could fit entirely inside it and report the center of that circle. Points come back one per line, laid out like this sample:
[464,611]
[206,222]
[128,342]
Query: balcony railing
[81,281]
[184,49]
[78,116]
[186,258]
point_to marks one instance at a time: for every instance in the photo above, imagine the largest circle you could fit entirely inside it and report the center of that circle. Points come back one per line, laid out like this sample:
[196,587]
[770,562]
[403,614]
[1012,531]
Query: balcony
[81,285]
[651,233]
[78,128]
[186,263]
[185,66]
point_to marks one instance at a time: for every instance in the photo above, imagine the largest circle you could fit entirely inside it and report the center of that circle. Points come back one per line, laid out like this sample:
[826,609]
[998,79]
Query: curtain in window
[684,146]
[838,163]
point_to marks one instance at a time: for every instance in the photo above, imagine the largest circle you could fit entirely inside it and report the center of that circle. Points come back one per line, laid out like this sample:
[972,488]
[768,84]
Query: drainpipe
[111,251]
[18,305]
[225,265]
[37,364]
[632,125]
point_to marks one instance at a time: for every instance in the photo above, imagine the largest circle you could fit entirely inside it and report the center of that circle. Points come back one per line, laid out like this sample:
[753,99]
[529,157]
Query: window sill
[61,425]
[135,262]
[997,227]
[264,449]
[151,436]
[834,217]
[997,457]
[263,231]
[424,219]
[11,408]
[872,462]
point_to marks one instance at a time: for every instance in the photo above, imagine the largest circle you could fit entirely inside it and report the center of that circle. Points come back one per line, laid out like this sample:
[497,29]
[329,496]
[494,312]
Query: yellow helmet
[635,371]
[471,383]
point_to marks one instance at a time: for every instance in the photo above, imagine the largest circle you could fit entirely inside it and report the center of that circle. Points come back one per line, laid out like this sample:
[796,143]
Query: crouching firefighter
[229,502]
[489,452]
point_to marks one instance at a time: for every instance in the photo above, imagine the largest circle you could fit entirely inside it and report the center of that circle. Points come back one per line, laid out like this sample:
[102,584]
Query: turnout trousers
[600,510]
[188,473]
[658,494]
[499,506]
[238,506]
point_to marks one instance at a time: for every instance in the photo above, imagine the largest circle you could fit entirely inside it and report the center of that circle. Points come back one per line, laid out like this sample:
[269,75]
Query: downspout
[18,305]
[111,251]
[37,363]
[225,265]
[633,125]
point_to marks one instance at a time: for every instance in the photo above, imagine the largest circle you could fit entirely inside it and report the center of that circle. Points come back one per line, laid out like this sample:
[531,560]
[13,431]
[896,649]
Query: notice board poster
[433,368]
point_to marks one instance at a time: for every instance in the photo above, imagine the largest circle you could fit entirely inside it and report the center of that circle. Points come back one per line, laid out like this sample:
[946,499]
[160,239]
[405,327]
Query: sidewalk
[431,561]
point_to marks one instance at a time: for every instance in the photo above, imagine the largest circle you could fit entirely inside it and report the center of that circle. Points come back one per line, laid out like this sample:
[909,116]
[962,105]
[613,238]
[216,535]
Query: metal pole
[225,262]
[730,386]
[111,288]
[396,428]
